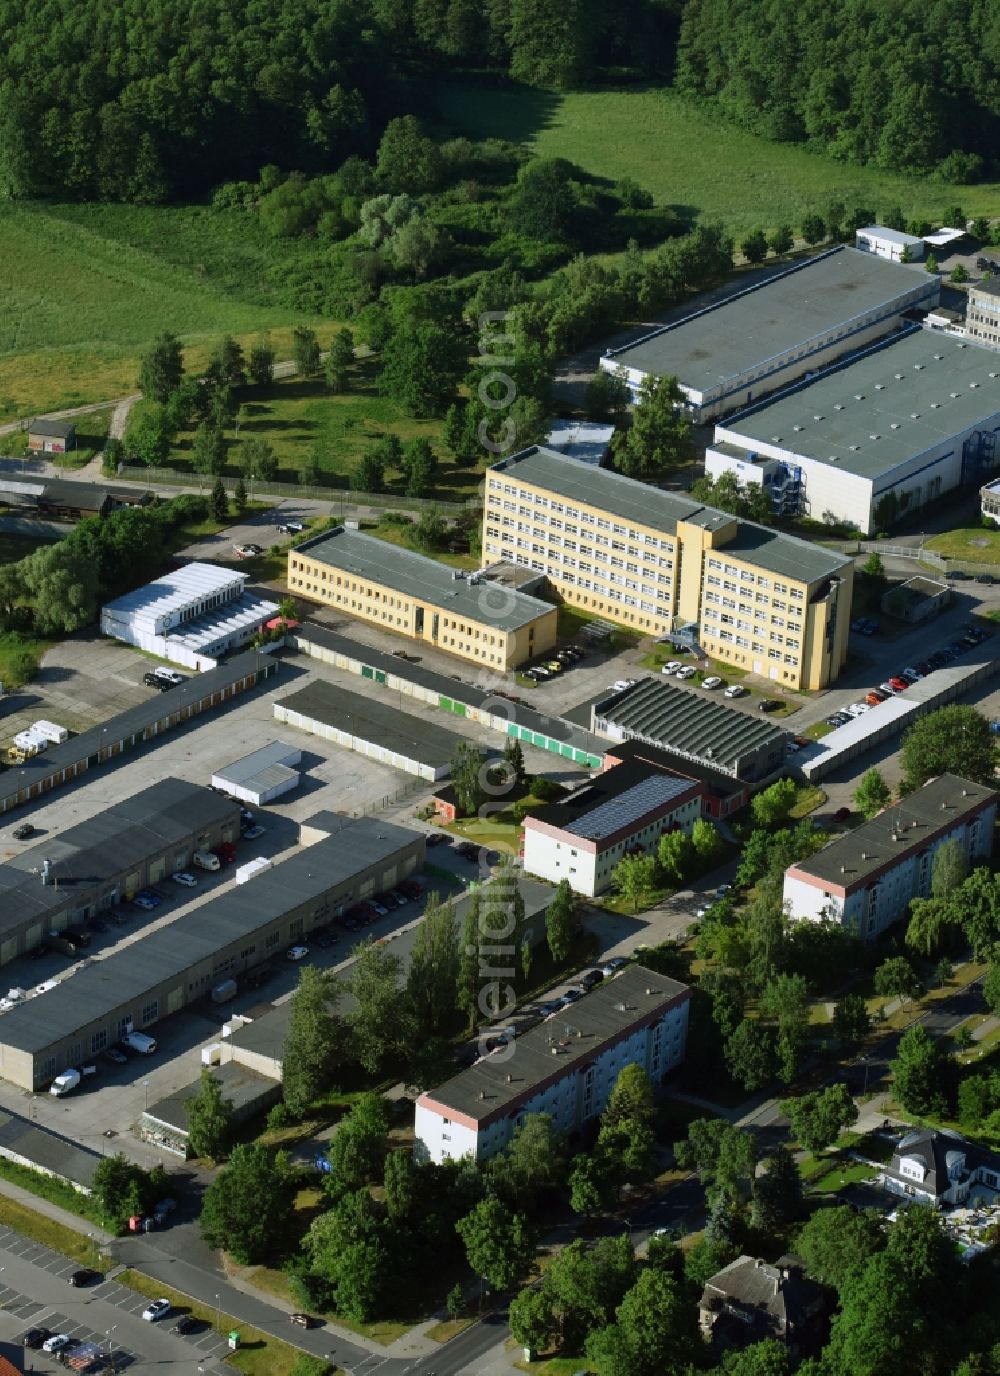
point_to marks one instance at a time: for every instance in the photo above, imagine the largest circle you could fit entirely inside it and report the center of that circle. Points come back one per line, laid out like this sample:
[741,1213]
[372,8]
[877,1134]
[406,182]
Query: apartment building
[467,615]
[982,313]
[867,878]
[566,1066]
[664,564]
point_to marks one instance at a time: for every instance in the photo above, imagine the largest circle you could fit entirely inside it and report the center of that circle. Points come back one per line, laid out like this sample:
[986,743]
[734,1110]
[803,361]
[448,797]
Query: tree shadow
[493,108]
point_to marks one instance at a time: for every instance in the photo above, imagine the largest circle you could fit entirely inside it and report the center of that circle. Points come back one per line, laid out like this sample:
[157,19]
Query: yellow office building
[662,563]
[465,614]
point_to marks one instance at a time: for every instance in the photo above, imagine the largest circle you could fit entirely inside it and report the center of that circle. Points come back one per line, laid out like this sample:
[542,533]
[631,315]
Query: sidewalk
[72,1222]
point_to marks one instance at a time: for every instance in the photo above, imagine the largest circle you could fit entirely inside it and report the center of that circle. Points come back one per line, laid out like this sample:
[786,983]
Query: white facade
[576,1089]
[867,880]
[889,243]
[262,776]
[554,852]
[191,616]
[901,425]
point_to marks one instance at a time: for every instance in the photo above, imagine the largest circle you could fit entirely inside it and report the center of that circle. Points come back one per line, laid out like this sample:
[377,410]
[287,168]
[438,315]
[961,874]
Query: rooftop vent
[939,357]
[834,458]
[775,439]
[874,437]
[796,427]
[935,405]
[839,405]
[993,374]
[859,396]
[864,855]
[880,386]
[894,425]
[818,417]
[854,448]
[914,415]
[917,367]
[973,384]
[898,377]
[963,346]
[954,395]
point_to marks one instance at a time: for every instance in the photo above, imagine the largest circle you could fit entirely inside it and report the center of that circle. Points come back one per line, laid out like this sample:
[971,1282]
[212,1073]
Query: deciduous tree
[499,1243]
[161,368]
[634,877]
[315,1040]
[247,1209]
[917,1073]
[818,1118]
[660,434]
[955,739]
[559,918]
[210,1118]
[380,1024]
[872,794]
[305,351]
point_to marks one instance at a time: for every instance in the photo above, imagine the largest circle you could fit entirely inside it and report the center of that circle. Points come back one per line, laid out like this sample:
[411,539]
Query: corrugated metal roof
[177,589]
[373,719]
[690,721]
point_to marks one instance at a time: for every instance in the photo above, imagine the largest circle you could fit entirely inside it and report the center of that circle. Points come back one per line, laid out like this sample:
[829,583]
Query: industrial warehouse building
[892,244]
[191,616]
[67,500]
[133,728]
[450,695]
[770,335]
[721,794]
[690,723]
[885,435]
[137,986]
[465,614]
[372,727]
[73,876]
[51,436]
[624,811]
[261,776]
[867,878]
[566,1066]
[662,563]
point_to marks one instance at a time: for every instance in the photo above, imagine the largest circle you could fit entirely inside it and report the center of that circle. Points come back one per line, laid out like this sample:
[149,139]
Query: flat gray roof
[105,984]
[616,800]
[689,720]
[884,408]
[56,429]
[494,1084]
[415,575]
[244,1088]
[648,506]
[46,1150]
[372,719]
[891,236]
[989,285]
[876,845]
[93,852]
[721,343]
[452,687]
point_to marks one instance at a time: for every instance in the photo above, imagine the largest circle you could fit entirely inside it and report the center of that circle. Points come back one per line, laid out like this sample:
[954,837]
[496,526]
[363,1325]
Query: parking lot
[35,1293]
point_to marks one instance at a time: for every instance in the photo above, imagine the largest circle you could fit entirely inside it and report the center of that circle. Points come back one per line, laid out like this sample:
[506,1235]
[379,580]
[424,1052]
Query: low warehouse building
[918,599]
[735,351]
[464,614]
[51,436]
[371,727]
[866,879]
[64,499]
[693,725]
[133,728]
[886,434]
[623,811]
[891,244]
[69,878]
[192,616]
[180,963]
[566,1066]
[165,1123]
[261,776]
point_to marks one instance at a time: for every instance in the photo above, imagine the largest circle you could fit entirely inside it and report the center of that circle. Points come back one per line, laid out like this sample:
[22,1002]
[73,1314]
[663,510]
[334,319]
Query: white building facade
[867,879]
[192,616]
[887,433]
[891,244]
[623,812]
[565,1067]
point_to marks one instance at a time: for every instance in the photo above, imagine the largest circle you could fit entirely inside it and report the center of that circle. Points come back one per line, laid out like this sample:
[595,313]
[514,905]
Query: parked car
[141,901]
[411,887]
[688,671]
[252,833]
[58,1342]
[571,995]
[900,684]
[888,689]
[590,979]
[874,697]
[182,877]
[297,952]
[22,832]
[399,898]
[554,666]
[85,1276]
[612,966]
[671,666]
[156,1309]
[34,1337]
[303,1320]
[187,1323]
[291,528]
[957,576]
[736,690]
[768,705]
[711,682]
[843,814]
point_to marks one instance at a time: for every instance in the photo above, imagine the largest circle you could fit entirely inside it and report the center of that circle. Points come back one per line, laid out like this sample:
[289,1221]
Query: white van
[206,860]
[64,1083]
[138,1041]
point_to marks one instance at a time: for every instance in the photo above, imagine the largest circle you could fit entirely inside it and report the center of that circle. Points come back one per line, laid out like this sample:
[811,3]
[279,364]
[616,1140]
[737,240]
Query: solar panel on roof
[617,813]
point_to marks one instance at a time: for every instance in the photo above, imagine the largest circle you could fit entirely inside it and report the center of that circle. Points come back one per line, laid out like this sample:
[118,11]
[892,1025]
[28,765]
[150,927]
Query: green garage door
[379,675]
[367,671]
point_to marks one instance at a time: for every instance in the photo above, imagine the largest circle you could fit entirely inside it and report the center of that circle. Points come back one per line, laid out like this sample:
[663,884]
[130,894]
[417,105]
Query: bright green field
[84,288]
[690,159]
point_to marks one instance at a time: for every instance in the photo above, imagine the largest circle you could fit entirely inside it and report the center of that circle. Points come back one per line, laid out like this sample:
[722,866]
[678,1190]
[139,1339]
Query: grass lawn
[839,1175]
[20,656]
[258,1355]
[384,1331]
[87,287]
[26,1221]
[971,542]
[395,534]
[91,434]
[300,418]
[660,140]
[807,799]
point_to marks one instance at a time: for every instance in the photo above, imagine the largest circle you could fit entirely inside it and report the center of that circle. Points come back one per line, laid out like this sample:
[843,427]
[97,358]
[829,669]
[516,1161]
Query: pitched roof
[777,1297]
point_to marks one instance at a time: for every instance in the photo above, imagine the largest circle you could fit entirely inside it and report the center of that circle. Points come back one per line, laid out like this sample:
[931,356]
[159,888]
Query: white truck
[65,1083]
[206,860]
[50,731]
[138,1041]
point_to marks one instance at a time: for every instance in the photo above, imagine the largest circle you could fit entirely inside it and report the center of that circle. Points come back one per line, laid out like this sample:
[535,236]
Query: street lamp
[217,1311]
[145,1091]
[864,1062]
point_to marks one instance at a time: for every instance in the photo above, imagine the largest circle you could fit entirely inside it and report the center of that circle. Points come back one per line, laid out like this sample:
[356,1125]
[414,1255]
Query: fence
[405,791]
[173,477]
